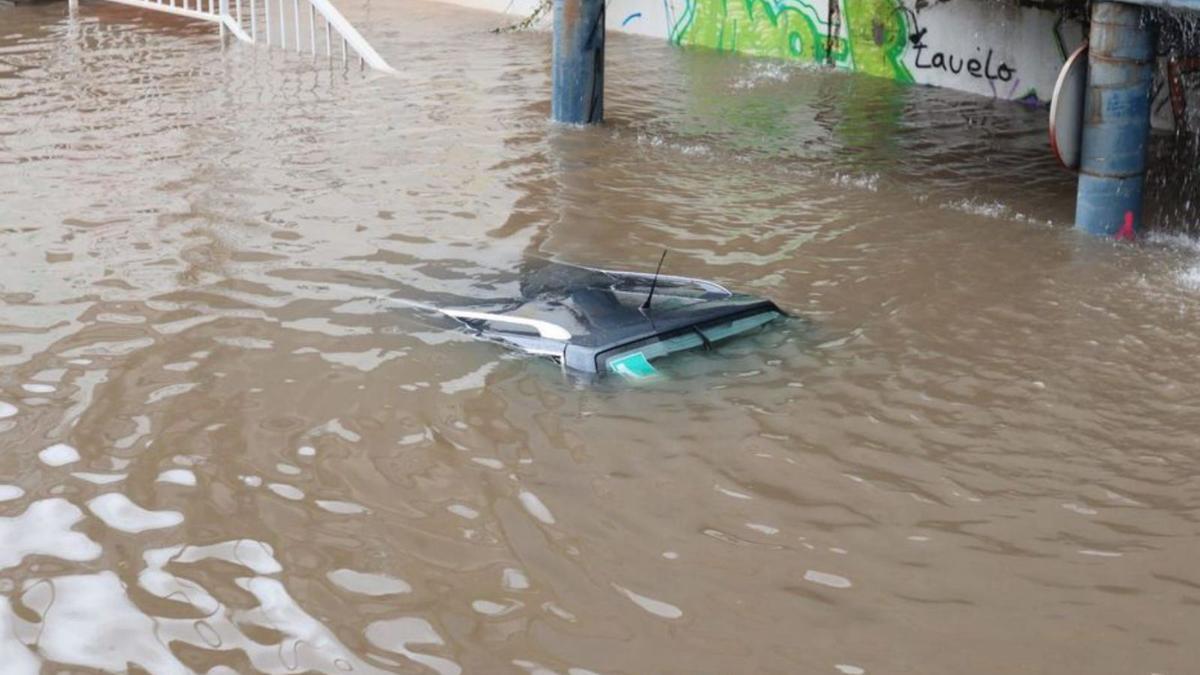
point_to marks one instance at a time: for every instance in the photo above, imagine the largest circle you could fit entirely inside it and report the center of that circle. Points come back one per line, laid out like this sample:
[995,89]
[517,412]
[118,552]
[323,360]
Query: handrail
[227,21]
[350,34]
[246,27]
[197,13]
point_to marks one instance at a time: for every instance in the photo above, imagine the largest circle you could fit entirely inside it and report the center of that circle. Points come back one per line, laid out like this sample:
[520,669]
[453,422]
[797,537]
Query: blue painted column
[1116,124]
[578,70]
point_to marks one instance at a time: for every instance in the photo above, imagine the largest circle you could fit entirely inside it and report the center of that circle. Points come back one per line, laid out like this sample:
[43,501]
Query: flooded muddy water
[227,447]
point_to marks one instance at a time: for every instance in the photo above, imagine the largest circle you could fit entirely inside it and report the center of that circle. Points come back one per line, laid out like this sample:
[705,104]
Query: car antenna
[654,281]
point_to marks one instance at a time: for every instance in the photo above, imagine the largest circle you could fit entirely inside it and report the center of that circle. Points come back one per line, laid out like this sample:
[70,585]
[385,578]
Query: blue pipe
[1116,124]
[578,70]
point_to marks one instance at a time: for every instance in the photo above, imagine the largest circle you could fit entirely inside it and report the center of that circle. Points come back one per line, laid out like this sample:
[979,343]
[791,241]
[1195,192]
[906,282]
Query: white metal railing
[278,22]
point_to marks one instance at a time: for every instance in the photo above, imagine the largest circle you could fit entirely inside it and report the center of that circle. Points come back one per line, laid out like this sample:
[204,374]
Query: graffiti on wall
[771,28]
[877,31]
[885,38]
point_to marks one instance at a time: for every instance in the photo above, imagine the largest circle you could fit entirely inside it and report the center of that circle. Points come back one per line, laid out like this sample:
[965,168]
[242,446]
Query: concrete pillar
[578,70]
[1116,124]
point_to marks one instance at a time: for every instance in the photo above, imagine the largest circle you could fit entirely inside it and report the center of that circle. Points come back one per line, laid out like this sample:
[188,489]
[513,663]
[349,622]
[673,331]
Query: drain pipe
[1116,125]
[578,70]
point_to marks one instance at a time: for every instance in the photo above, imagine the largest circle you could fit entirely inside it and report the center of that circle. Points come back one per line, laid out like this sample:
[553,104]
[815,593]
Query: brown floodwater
[227,446]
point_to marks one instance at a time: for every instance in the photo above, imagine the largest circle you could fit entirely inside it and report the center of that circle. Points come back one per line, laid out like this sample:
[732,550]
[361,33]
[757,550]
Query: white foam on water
[252,554]
[395,635]
[1122,498]
[412,439]
[765,71]
[1190,277]
[114,348]
[183,477]
[163,584]
[70,632]
[342,508]
[489,462]
[243,342]
[288,469]
[335,427]
[476,379]
[1174,240]
[827,579]
[169,391]
[37,388]
[1100,554]
[306,451]
[847,669]
[731,493]
[114,317]
[656,607]
[251,481]
[173,327]
[535,507]
[868,182]
[286,491]
[7,410]
[45,529]
[15,658]
[366,583]
[514,579]
[307,643]
[99,478]
[142,428]
[10,492]
[765,529]
[489,608]
[975,207]
[559,612]
[119,513]
[533,667]
[59,454]
[303,643]
[463,511]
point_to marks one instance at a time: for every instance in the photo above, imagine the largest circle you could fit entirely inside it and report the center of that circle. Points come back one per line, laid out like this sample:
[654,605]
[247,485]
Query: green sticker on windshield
[634,366]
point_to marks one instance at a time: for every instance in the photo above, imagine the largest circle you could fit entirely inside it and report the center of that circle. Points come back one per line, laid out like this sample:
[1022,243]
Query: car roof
[576,313]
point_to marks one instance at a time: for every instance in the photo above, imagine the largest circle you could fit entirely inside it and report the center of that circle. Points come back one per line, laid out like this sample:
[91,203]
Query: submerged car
[598,321]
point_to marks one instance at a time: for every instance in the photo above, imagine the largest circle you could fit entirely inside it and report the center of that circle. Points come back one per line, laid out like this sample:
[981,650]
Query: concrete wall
[992,47]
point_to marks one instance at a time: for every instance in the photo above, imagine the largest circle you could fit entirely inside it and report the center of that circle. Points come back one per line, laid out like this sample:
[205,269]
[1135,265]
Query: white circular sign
[1066,109]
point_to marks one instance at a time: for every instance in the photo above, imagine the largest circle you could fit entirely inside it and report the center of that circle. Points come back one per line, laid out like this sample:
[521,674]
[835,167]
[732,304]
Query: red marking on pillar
[1127,233]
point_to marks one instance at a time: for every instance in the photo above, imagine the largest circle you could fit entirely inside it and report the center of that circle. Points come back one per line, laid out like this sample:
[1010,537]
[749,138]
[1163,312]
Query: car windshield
[634,361]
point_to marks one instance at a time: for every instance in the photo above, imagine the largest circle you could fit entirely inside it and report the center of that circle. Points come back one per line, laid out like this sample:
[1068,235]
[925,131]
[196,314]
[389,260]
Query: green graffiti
[878,36]
[785,29]
[875,39]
